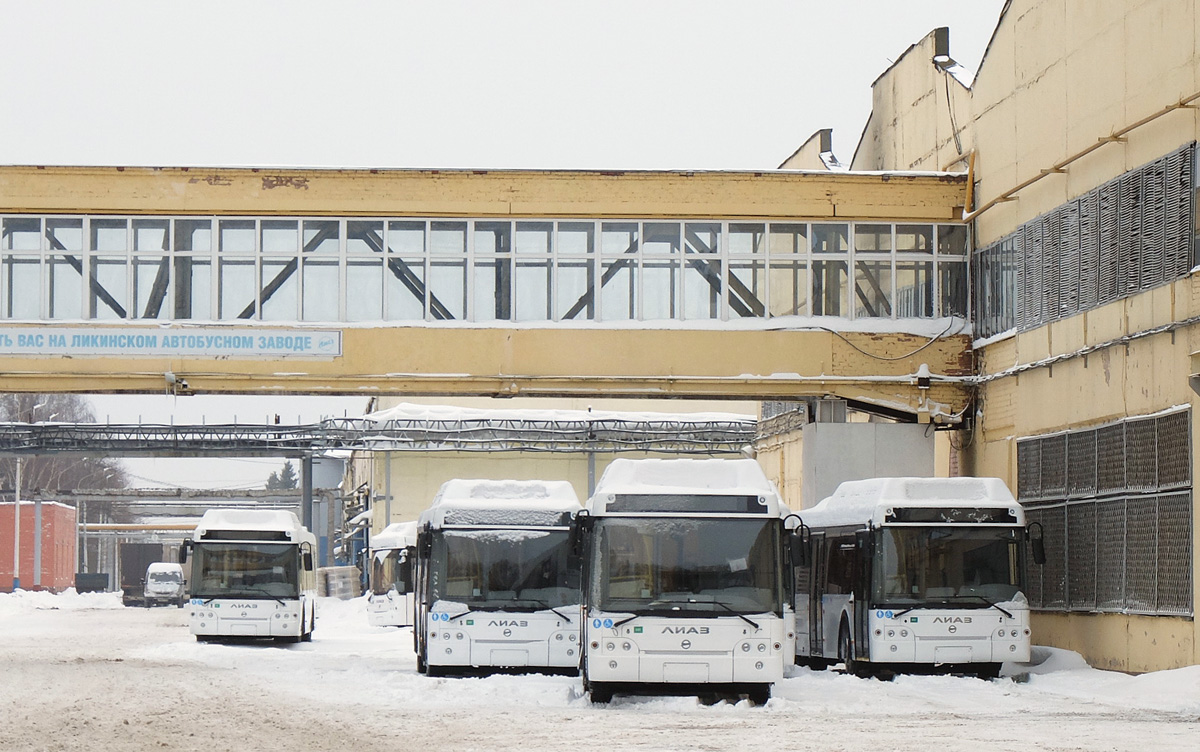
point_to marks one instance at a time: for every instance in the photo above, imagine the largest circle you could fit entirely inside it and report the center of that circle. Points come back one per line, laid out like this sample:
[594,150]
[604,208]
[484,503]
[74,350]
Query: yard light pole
[17,532]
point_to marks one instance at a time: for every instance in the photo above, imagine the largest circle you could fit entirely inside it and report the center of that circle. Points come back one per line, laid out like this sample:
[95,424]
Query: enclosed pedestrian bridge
[679,284]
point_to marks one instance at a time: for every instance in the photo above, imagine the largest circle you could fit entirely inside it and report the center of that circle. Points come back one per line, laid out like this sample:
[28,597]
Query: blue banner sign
[170,342]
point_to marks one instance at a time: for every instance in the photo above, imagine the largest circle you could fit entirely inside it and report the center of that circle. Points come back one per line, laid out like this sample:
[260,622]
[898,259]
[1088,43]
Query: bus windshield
[513,570]
[390,570]
[255,570]
[668,566]
[916,565]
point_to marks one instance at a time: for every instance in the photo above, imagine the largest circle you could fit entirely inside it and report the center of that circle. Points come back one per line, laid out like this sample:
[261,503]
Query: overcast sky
[619,84]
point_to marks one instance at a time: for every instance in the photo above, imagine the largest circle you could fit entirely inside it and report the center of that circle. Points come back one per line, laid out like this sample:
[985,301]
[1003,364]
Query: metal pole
[306,481]
[17,532]
[37,543]
[387,489]
[83,535]
[591,473]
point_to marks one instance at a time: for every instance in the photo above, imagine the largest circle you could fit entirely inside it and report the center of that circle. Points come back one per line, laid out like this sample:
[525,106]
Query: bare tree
[54,472]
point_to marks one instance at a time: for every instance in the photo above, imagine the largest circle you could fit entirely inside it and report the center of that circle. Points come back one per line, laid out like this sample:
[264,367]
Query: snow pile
[68,600]
[857,501]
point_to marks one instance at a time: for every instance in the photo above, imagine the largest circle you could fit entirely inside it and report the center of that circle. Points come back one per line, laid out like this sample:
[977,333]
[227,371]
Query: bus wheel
[988,671]
[600,693]
[422,666]
[846,651]
[759,695]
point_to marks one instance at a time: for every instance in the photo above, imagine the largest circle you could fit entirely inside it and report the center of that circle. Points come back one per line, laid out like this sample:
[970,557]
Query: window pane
[236,287]
[873,238]
[873,288]
[829,288]
[448,238]
[321,237]
[914,289]
[193,287]
[447,289]
[364,290]
[23,277]
[109,298]
[109,235]
[281,237]
[193,235]
[789,286]
[532,289]
[22,234]
[618,296]
[404,281]
[952,240]
[788,239]
[747,239]
[493,237]
[576,291]
[406,239]
[660,237]
[701,287]
[747,286]
[363,238]
[659,289]
[953,284]
[65,234]
[65,288]
[914,238]
[618,238]
[492,283]
[237,236]
[151,235]
[576,238]
[151,275]
[321,290]
[281,289]
[828,239]
[533,237]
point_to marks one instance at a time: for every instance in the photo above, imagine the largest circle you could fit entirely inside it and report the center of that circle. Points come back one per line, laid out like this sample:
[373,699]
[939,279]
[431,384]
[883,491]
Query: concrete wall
[836,452]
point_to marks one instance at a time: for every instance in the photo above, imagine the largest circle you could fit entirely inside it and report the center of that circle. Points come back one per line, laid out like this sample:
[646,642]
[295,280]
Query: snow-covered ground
[81,672]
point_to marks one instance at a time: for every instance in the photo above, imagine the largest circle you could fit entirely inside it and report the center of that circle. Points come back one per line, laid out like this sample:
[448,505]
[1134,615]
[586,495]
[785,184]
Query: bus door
[864,558]
[816,591]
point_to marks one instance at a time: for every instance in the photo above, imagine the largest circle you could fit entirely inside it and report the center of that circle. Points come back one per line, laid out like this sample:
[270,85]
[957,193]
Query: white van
[164,584]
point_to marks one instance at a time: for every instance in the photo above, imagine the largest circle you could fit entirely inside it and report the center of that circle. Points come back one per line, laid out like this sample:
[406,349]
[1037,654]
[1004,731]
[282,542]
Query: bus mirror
[799,540]
[183,551]
[1037,543]
[581,524]
[308,561]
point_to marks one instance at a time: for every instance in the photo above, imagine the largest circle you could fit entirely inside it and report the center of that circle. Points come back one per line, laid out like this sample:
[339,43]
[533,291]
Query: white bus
[390,603]
[495,587]
[914,574]
[252,576]
[684,580]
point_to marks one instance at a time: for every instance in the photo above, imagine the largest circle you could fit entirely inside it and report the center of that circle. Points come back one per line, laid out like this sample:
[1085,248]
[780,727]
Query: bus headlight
[759,665]
[762,647]
[609,646]
[745,647]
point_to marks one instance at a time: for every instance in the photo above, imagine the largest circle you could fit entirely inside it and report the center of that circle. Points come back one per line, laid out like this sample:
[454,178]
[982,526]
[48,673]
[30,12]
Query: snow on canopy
[742,477]
[395,535]
[858,501]
[275,520]
[502,502]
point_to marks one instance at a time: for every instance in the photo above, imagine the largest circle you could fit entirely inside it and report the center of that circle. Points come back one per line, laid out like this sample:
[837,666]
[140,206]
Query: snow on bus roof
[857,501]
[248,519]
[684,475]
[396,535]
[558,495]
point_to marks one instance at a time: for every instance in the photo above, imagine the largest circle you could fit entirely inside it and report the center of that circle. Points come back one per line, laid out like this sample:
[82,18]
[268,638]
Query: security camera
[183,385]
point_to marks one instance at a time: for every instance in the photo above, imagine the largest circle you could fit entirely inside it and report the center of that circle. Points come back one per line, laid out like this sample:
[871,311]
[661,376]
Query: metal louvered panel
[1108,248]
[1154,223]
[1110,554]
[1141,446]
[1089,250]
[1033,293]
[1110,458]
[1054,578]
[1178,199]
[1054,466]
[1029,469]
[1129,228]
[1141,553]
[1174,454]
[1175,553]
[1081,464]
[1051,273]
[1081,556]
[1069,265]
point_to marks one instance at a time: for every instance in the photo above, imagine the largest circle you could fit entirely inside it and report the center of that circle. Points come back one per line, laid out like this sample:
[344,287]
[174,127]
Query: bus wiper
[547,606]
[729,608]
[626,619]
[989,602]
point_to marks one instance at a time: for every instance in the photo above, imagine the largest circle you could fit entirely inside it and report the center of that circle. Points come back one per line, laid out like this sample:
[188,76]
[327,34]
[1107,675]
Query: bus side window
[840,574]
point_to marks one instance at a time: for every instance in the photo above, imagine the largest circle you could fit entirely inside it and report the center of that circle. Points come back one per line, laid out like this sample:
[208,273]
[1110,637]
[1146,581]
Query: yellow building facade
[1079,135]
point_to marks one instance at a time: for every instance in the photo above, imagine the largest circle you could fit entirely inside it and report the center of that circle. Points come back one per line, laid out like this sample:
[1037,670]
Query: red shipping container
[58,546]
